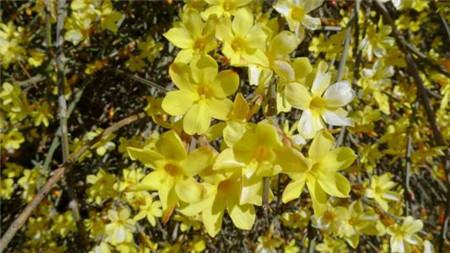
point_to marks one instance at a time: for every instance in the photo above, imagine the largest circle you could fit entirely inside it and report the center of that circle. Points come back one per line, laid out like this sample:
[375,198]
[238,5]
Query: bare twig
[58,174]
[340,74]
[141,80]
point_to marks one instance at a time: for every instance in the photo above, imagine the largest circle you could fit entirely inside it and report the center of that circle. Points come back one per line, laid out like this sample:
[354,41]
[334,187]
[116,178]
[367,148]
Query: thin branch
[340,74]
[58,174]
[141,80]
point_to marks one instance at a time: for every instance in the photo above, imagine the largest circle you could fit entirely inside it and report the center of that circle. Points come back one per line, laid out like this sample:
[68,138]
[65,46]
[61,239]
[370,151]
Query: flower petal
[197,161]
[189,190]
[336,118]
[283,44]
[180,74]
[204,69]
[171,146]
[180,37]
[243,216]
[321,81]
[339,94]
[293,190]
[297,95]
[145,156]
[178,102]
[228,82]
[219,108]
[242,22]
[309,124]
[197,119]
[334,184]
[320,146]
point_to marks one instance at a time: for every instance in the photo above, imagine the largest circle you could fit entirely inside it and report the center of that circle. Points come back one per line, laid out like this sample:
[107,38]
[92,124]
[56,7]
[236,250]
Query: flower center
[298,13]
[225,186]
[237,44]
[262,153]
[199,44]
[204,91]
[172,169]
[317,104]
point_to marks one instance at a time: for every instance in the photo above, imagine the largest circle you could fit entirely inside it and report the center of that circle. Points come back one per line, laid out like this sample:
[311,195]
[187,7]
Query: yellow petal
[226,160]
[151,182]
[145,156]
[197,119]
[180,74]
[318,197]
[197,161]
[178,102]
[321,81]
[189,190]
[242,22]
[180,37]
[219,108]
[334,184]
[228,82]
[171,146]
[233,131]
[297,95]
[240,109]
[212,217]
[243,216]
[283,44]
[204,69]
[302,68]
[320,146]
[338,159]
[293,190]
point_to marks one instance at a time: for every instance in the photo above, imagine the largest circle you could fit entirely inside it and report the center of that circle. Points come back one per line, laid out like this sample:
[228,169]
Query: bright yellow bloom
[403,236]
[121,227]
[380,190]
[11,40]
[222,192]
[173,168]
[292,73]
[193,36]
[296,14]
[243,41]
[226,8]
[322,104]
[319,171]
[150,210]
[256,156]
[202,93]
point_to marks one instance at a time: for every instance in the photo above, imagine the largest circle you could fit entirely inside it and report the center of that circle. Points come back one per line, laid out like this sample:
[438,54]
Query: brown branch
[57,175]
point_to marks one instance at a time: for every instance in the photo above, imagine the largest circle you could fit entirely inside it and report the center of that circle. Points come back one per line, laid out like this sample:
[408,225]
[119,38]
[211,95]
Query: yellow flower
[323,104]
[222,192]
[296,14]
[173,168]
[11,49]
[101,186]
[243,41]
[202,93]
[380,190]
[150,210]
[11,140]
[376,41]
[121,227]
[403,236]
[225,8]
[193,36]
[319,171]
[293,73]
[255,156]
